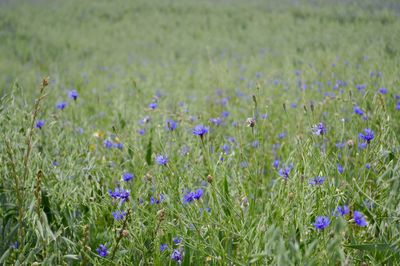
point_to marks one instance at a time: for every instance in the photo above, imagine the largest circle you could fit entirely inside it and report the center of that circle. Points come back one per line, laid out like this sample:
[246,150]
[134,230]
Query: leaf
[71,257]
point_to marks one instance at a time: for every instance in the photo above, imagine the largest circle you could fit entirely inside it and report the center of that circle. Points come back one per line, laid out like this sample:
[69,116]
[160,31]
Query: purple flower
[188,197]
[216,121]
[359,219]
[163,247]
[177,240]
[198,194]
[153,105]
[40,124]
[282,135]
[119,193]
[73,94]
[102,251]
[176,256]
[319,129]
[319,180]
[118,145]
[224,114]
[127,176]
[170,124]
[357,110]
[398,106]
[368,166]
[161,160]
[108,144]
[61,105]
[200,130]
[276,164]
[321,222]
[340,168]
[284,172]
[225,148]
[368,136]
[141,131]
[361,87]
[118,215]
[255,144]
[383,90]
[160,198]
[342,210]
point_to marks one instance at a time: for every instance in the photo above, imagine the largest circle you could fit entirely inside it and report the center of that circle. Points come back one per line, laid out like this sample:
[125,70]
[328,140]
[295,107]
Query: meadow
[200,132]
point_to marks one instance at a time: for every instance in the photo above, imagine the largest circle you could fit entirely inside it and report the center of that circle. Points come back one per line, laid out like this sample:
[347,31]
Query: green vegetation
[266,78]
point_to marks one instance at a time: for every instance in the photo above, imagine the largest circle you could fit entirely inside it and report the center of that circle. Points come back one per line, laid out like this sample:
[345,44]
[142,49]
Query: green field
[103,161]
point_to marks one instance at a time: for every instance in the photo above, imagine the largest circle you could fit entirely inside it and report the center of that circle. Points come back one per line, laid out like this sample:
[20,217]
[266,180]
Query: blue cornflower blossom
[340,168]
[200,130]
[284,172]
[383,90]
[61,105]
[319,180]
[170,124]
[127,176]
[255,144]
[119,193]
[359,219]
[362,145]
[102,251]
[73,94]
[188,197]
[276,164]
[368,166]
[398,106]
[216,121]
[177,240]
[163,247]
[225,114]
[368,136]
[321,222]
[357,110]
[176,256]
[225,148]
[153,105]
[342,210]
[319,129]
[198,193]
[340,145]
[108,144]
[160,198]
[118,215]
[40,124]
[282,135]
[118,145]
[161,160]
[141,131]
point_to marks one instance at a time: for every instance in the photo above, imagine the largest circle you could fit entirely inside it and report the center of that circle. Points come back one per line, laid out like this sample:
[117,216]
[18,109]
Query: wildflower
[284,172]
[276,164]
[176,256]
[118,145]
[61,105]
[383,90]
[73,94]
[163,247]
[224,114]
[200,130]
[368,166]
[170,124]
[357,110]
[127,176]
[342,210]
[319,129]
[40,124]
[177,240]
[188,197]
[161,160]
[255,144]
[368,136]
[118,215]
[141,131]
[319,180]
[120,194]
[398,106]
[108,144]
[198,194]
[157,200]
[225,148]
[361,87]
[282,135]
[153,105]
[359,219]
[102,250]
[340,168]
[184,150]
[216,121]
[321,222]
